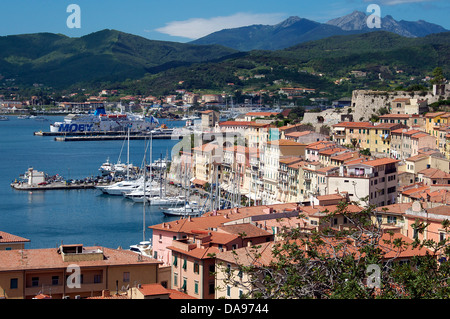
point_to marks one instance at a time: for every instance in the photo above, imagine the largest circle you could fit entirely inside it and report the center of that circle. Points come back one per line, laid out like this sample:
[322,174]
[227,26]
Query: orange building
[72,271]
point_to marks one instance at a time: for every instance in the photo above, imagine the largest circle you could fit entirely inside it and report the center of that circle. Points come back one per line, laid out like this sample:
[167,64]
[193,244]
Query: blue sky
[183,21]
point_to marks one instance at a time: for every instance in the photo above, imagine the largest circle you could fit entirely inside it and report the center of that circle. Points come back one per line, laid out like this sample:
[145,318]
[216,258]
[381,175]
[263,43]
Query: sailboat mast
[128,155]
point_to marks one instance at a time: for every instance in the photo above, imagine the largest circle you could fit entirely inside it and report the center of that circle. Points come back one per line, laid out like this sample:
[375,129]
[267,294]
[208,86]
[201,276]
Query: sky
[186,20]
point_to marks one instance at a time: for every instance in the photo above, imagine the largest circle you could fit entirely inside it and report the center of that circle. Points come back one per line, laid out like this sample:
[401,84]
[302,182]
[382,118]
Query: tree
[438,76]
[341,263]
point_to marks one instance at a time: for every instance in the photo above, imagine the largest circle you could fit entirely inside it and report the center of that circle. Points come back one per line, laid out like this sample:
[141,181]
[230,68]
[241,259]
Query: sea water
[53,217]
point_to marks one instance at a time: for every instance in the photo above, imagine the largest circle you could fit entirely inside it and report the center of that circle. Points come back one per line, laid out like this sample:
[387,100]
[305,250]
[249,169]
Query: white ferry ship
[100,121]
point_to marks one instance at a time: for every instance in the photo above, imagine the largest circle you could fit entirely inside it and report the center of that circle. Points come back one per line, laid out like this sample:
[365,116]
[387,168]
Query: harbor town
[236,185]
[223,158]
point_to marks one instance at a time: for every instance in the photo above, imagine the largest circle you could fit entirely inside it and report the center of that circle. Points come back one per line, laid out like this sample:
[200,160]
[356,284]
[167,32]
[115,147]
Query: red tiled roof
[9,238]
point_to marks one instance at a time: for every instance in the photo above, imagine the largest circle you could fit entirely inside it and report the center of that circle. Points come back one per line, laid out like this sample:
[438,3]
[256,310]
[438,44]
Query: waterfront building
[26,273]
[368,182]
[407,143]
[193,262]
[204,158]
[209,119]
[414,121]
[284,178]
[312,150]
[305,137]
[433,217]
[273,152]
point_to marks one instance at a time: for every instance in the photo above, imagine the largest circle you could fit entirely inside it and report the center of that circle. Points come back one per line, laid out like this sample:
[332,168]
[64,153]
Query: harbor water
[83,216]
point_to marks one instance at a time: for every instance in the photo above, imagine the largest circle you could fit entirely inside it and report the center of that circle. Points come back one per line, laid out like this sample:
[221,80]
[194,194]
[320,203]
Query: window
[392,219]
[34,281]
[379,219]
[175,260]
[97,279]
[228,291]
[126,277]
[55,280]
[441,236]
[196,268]
[14,283]
[196,287]
[212,288]
[184,287]
[185,263]
[175,279]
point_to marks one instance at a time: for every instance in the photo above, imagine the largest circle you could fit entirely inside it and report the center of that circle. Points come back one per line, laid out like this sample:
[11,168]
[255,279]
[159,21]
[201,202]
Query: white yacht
[120,187]
[144,248]
[189,209]
[166,201]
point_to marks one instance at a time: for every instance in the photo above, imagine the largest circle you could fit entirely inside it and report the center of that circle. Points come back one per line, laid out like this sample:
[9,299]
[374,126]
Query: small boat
[144,248]
[40,118]
[119,168]
[189,209]
[4,118]
[166,201]
[120,187]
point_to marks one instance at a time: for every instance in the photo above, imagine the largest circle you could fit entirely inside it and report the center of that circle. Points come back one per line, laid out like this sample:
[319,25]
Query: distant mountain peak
[288,22]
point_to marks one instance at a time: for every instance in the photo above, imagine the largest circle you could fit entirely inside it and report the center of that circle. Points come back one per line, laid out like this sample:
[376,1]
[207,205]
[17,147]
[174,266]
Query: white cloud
[198,27]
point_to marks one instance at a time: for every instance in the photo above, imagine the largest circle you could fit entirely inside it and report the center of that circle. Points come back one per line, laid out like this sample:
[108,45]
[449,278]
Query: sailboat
[189,208]
[144,248]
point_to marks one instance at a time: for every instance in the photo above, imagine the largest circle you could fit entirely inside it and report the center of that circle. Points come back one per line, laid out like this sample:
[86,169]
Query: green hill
[108,55]
[378,53]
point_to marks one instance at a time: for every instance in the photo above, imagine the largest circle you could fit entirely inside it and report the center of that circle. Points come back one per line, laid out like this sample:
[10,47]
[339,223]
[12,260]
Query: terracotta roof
[380,161]
[329,197]
[284,142]
[235,123]
[404,131]
[9,238]
[208,147]
[319,145]
[417,157]
[261,114]
[260,255]
[399,99]
[354,124]
[50,258]
[298,134]
[218,218]
[344,156]
[434,173]
[398,208]
[434,114]
[395,116]
[298,164]
[419,135]
[332,151]
[290,160]
[197,252]
[249,230]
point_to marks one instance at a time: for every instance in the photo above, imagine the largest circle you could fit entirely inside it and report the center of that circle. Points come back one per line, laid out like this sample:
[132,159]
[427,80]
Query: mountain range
[111,56]
[295,30]
[107,55]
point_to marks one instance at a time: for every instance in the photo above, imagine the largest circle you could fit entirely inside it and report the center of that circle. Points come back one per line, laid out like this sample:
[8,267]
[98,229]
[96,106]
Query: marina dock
[52,186]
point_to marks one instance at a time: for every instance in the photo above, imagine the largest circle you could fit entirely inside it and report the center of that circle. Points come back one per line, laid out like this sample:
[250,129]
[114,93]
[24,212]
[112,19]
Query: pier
[52,186]
[106,136]
[116,137]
